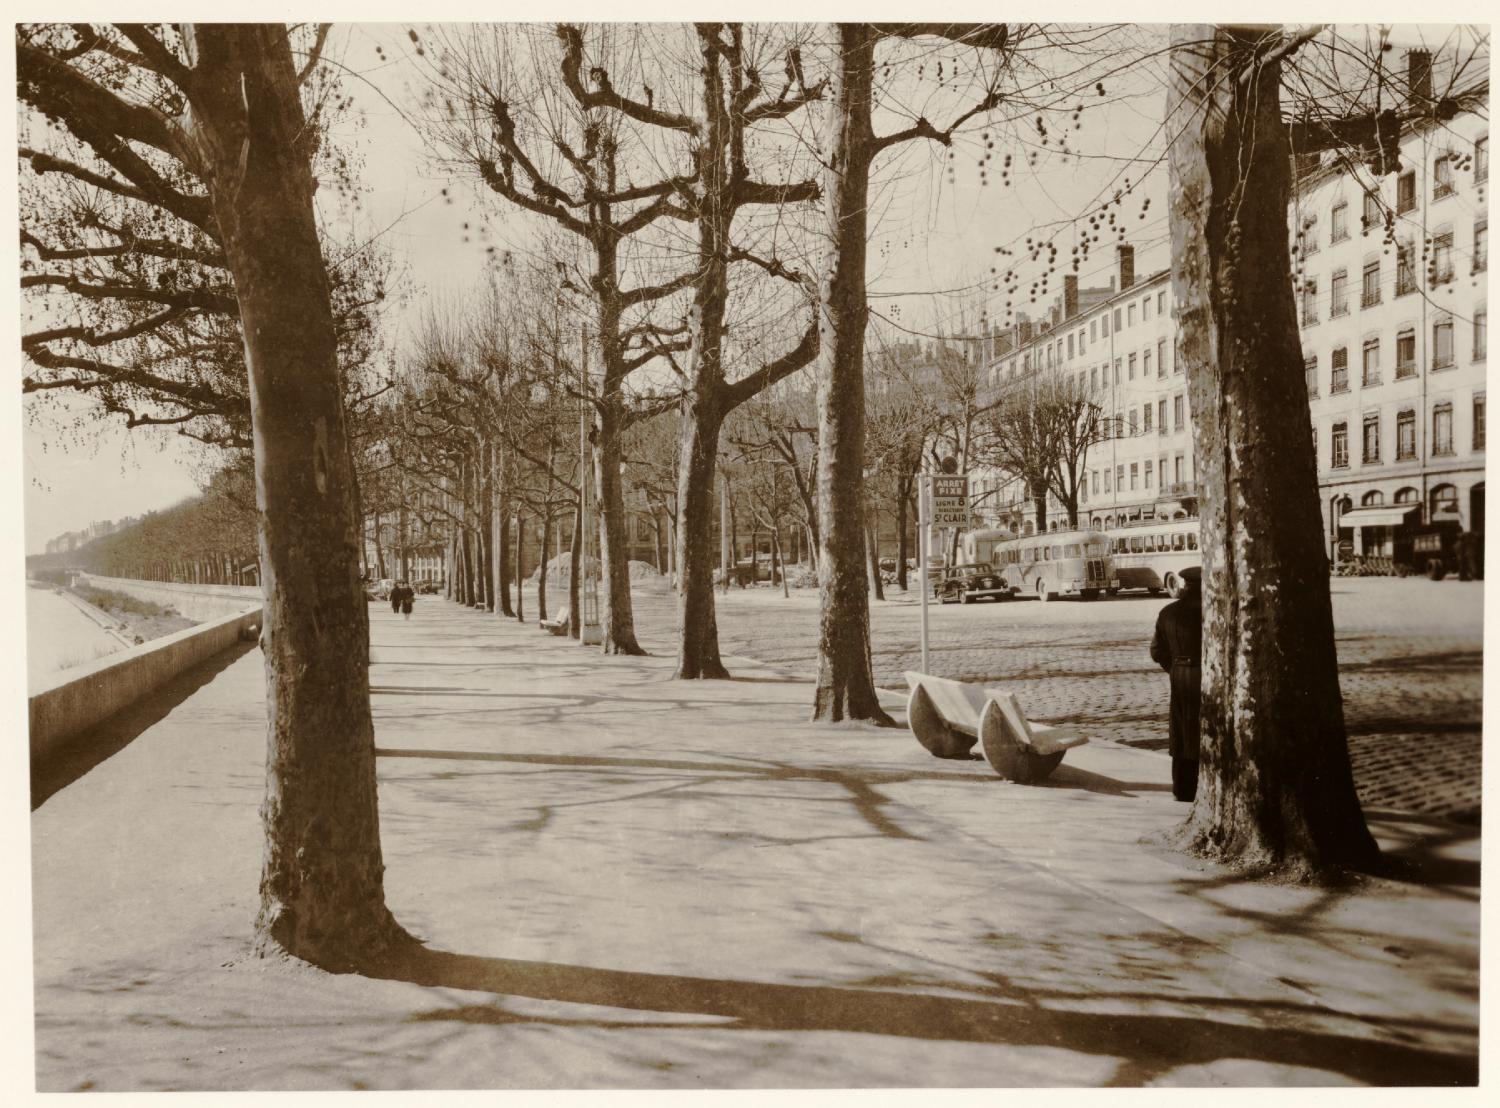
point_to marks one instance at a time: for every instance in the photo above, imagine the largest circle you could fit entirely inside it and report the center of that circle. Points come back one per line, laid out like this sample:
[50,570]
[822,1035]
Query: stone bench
[558,625]
[948,717]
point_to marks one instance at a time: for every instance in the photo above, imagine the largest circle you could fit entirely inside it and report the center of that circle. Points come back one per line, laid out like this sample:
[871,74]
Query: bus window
[1056,552]
[1192,540]
[1179,541]
[1150,544]
[1135,544]
[1071,550]
[1028,555]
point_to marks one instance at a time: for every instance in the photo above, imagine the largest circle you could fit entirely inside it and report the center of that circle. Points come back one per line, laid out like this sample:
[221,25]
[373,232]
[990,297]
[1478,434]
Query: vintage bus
[1152,554]
[1050,565]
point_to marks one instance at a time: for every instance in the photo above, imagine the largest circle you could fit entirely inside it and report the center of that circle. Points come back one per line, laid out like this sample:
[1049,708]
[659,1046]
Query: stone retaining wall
[200,602]
[87,695]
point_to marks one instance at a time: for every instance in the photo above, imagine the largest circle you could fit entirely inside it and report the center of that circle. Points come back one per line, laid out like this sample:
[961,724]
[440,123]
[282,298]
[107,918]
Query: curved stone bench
[949,717]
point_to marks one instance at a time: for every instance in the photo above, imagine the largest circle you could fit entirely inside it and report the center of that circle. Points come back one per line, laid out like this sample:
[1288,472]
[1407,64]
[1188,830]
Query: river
[59,636]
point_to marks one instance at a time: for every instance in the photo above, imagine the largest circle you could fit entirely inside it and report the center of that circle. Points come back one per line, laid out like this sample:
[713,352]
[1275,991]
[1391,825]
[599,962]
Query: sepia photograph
[636,553]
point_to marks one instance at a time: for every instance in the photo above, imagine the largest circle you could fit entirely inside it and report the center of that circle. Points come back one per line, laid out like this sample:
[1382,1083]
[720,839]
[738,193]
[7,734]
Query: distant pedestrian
[1468,550]
[406,596]
[1177,646]
[395,597]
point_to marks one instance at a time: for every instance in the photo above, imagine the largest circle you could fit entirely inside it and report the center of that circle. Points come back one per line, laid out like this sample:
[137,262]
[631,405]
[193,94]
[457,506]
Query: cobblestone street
[1410,657]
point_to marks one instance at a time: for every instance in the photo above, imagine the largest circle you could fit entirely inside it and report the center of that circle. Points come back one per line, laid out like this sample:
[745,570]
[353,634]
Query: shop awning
[1380,515]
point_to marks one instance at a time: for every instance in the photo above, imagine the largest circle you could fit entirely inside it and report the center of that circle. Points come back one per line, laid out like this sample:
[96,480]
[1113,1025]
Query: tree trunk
[618,622]
[379,549]
[520,566]
[902,551]
[1275,787]
[541,581]
[575,558]
[846,683]
[778,567]
[872,555]
[322,895]
[485,537]
[1039,502]
[697,622]
[502,553]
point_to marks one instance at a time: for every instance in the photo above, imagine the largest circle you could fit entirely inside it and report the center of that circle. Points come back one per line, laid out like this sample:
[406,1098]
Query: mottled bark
[697,632]
[520,566]
[575,558]
[322,895]
[901,546]
[846,683]
[1275,788]
[541,581]
[617,623]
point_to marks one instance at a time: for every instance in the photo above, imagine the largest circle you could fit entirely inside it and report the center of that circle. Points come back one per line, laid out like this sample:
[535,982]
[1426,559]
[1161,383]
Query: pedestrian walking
[395,597]
[406,597]
[1177,646]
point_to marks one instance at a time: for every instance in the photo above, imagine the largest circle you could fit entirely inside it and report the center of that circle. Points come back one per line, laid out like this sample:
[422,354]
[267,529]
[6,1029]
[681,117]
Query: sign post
[922,545]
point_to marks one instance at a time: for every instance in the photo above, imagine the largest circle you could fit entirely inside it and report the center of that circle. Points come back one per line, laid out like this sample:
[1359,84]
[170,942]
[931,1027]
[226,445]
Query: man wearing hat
[1177,646]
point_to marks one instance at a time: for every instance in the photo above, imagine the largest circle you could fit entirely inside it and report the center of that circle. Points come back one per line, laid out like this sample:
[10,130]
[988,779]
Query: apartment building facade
[1393,305]
[1392,288]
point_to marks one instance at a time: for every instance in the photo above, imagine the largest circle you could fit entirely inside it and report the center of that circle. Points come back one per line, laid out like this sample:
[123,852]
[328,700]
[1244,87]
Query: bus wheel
[1111,592]
[1435,570]
[1173,586]
[963,598]
[1041,592]
[1090,594]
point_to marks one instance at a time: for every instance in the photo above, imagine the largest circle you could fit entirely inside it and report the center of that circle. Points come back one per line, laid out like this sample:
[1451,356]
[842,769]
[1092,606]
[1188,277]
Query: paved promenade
[625,881]
[1410,668]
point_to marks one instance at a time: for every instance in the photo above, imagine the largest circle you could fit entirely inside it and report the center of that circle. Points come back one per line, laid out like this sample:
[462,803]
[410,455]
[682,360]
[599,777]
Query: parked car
[427,587]
[383,588]
[971,582]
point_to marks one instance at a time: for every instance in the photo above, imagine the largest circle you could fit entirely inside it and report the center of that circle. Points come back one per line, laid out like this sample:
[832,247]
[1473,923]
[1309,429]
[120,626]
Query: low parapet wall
[200,602]
[88,695]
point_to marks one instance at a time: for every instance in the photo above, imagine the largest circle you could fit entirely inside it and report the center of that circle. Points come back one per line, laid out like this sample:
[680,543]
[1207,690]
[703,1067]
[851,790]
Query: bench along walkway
[948,717]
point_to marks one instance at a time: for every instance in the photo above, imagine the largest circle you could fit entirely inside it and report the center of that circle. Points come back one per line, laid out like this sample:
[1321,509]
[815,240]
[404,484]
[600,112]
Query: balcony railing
[1369,299]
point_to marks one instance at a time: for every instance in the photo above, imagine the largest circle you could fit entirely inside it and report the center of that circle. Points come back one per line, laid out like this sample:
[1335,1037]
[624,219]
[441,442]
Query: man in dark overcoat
[1177,646]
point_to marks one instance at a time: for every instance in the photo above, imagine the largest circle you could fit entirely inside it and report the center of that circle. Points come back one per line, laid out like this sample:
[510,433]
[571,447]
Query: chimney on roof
[1070,296]
[1419,79]
[1126,258]
[1026,332]
[1053,316]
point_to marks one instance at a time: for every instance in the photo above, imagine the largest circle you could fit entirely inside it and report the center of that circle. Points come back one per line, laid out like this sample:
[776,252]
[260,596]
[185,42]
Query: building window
[1177,412]
[1406,434]
[1406,352]
[1338,293]
[1340,446]
[1135,474]
[1372,438]
[1481,159]
[1146,474]
[1370,217]
[1131,361]
[1479,421]
[1080,342]
[1104,326]
[1130,315]
[1161,415]
[1145,308]
[1117,371]
[1094,379]
[1406,270]
[1310,370]
[1406,191]
[1146,418]
[1370,365]
[1481,261]
[1340,229]
[1177,469]
[1442,342]
[1119,478]
[1070,346]
[1309,234]
[1119,316]
[1135,427]
[1309,301]
[1442,429]
[1369,293]
[1444,502]
[1442,176]
[1441,271]
[1161,473]
[1161,302]
[1340,379]
[1481,332]
[1093,334]
[1095,476]
[1146,362]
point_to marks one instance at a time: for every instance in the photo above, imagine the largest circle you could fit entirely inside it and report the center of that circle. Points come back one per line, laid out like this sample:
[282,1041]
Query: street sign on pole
[950,500]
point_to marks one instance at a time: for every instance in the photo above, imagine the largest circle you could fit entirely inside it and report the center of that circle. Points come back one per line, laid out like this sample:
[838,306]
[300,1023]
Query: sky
[934,238]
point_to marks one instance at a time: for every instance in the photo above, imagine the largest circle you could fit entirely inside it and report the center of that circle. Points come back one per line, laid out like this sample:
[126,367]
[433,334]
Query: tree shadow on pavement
[57,770]
[1149,1045]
